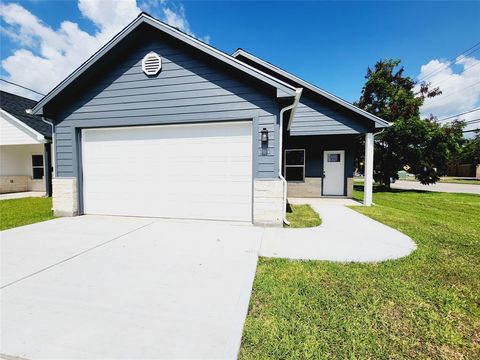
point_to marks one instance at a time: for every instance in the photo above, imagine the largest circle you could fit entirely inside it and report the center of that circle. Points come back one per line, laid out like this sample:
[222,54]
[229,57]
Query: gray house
[160,124]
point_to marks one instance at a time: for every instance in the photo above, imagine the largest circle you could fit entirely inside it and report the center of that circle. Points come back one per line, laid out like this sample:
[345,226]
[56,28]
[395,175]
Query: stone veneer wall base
[311,187]
[349,187]
[268,202]
[65,197]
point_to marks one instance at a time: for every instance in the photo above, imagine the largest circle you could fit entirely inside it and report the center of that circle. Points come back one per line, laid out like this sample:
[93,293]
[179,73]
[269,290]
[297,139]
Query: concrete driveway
[109,287]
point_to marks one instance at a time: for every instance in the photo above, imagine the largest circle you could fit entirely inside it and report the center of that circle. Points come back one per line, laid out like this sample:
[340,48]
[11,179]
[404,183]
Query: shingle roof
[16,105]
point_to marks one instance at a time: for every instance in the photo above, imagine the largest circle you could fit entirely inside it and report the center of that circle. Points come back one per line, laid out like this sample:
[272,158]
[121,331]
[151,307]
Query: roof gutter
[293,107]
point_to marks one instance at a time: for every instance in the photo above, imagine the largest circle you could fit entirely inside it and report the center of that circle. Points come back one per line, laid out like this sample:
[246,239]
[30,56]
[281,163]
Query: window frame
[37,166]
[336,153]
[285,165]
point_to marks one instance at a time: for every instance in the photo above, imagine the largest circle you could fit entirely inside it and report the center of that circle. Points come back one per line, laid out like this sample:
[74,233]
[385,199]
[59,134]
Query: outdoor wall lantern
[264,140]
[264,136]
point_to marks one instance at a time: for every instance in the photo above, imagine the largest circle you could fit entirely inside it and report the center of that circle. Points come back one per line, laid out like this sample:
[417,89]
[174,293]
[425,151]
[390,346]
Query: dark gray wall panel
[318,114]
[315,146]
[188,89]
[314,118]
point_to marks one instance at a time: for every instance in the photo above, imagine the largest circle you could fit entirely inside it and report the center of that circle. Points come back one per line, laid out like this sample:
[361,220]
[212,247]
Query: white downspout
[298,94]
[53,147]
[30,112]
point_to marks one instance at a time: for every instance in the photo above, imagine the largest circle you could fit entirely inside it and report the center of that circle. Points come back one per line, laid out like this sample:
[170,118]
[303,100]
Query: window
[295,165]
[37,166]
[333,158]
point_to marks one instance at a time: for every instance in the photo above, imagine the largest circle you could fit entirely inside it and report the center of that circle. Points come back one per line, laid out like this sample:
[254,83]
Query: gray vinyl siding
[315,118]
[317,113]
[188,89]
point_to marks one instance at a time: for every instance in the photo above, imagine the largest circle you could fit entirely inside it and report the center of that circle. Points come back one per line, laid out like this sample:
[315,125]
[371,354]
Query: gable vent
[151,63]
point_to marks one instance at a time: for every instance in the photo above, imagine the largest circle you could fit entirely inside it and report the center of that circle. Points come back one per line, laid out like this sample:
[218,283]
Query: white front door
[334,170]
[200,171]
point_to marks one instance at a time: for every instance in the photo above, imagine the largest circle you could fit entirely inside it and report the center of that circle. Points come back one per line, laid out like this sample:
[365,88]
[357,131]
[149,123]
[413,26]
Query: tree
[422,144]
[471,151]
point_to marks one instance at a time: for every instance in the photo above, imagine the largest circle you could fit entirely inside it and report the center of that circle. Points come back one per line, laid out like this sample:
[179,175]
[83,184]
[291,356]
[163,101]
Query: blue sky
[330,44]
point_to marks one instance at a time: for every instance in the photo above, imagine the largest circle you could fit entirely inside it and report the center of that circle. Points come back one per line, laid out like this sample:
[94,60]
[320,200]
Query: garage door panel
[184,171]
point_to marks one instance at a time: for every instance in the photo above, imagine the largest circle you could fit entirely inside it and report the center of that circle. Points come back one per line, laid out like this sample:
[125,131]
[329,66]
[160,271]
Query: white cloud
[173,14]
[460,89]
[45,56]
[177,20]
[109,15]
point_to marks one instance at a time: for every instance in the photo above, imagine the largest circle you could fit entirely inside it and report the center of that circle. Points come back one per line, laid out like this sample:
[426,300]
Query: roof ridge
[20,96]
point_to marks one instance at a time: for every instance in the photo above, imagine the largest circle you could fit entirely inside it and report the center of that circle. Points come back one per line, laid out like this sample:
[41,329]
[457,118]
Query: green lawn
[18,212]
[301,216]
[426,305]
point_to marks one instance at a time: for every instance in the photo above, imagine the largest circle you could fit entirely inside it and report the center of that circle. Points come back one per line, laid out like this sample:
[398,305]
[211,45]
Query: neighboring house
[157,123]
[24,147]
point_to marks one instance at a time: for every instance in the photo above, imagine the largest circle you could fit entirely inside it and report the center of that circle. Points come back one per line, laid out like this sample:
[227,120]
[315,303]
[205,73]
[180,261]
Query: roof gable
[16,106]
[283,89]
[296,81]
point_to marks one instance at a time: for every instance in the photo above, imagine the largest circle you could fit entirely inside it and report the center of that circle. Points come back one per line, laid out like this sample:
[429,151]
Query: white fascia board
[286,90]
[379,122]
[39,137]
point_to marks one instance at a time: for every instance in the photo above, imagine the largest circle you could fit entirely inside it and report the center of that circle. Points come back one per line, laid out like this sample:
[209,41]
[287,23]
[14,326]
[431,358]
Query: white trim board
[36,137]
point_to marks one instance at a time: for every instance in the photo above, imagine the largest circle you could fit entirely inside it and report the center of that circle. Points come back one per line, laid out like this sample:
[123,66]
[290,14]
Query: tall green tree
[471,151]
[422,144]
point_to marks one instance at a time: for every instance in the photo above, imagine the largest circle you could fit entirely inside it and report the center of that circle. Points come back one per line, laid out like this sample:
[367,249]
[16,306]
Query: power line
[464,69]
[473,130]
[23,87]
[455,59]
[457,115]
[469,122]
[467,87]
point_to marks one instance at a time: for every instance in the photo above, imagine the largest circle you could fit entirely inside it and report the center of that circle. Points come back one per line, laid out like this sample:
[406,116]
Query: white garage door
[201,171]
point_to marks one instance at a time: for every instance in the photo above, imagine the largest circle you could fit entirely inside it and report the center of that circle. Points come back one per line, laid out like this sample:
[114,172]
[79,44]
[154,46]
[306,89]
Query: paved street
[441,187]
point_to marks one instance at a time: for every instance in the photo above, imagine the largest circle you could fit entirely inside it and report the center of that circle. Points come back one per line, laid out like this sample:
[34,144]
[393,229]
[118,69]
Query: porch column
[368,184]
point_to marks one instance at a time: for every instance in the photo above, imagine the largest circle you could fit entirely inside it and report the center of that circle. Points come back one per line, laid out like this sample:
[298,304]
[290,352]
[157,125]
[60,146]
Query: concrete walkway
[438,187]
[21,195]
[344,235]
